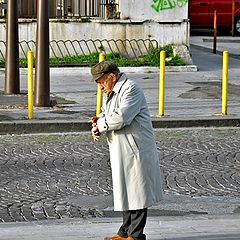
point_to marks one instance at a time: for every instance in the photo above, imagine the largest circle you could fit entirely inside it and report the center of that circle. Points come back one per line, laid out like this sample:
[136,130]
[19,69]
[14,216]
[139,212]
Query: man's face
[107,82]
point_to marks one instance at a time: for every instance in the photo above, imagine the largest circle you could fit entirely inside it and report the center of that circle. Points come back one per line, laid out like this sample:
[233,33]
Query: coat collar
[120,82]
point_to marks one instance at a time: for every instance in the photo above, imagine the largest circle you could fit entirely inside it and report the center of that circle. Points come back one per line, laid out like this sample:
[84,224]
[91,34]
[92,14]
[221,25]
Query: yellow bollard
[162,83]
[30,85]
[225,83]
[99,91]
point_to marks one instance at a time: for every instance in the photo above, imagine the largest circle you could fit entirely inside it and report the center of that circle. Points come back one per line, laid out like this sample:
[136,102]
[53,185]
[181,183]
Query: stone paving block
[41,174]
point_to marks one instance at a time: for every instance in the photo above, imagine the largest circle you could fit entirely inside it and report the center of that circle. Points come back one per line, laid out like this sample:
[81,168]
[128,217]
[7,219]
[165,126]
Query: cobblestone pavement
[41,175]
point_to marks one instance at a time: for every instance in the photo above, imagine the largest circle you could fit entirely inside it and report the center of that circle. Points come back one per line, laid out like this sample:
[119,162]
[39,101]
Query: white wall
[157,10]
[165,33]
[176,33]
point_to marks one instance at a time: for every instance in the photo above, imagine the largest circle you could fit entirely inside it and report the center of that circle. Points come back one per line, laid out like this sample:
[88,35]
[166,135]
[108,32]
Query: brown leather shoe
[117,237]
[112,237]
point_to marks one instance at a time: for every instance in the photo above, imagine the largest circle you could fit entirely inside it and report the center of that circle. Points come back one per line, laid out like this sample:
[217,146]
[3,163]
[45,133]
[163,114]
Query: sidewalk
[223,43]
[191,99]
[157,228]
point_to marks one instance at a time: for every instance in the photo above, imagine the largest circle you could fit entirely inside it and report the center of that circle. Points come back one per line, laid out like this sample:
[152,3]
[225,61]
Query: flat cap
[102,68]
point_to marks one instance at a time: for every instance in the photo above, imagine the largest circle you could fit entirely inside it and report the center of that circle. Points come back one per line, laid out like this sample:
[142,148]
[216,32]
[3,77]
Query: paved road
[66,176]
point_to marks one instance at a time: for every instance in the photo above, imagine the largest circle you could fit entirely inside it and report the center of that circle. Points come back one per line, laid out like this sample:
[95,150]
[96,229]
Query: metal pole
[42,78]
[162,83]
[61,8]
[98,8]
[22,9]
[92,8]
[73,8]
[85,9]
[12,79]
[225,83]
[30,85]
[35,8]
[233,17]
[54,9]
[66,8]
[79,8]
[215,33]
[29,8]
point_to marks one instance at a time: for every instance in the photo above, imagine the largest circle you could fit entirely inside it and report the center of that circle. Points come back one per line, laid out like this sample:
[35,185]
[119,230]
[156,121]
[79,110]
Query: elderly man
[133,154]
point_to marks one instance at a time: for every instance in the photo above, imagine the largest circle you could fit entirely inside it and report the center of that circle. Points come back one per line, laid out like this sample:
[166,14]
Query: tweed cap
[102,68]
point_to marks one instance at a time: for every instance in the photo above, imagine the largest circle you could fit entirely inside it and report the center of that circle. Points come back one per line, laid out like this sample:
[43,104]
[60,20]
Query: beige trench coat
[134,159]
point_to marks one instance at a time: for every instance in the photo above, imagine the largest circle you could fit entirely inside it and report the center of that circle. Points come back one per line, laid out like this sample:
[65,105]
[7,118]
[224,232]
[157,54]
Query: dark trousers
[134,222]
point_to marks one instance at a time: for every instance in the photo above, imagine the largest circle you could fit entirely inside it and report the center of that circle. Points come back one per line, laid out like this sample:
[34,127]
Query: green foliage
[23,62]
[75,60]
[151,59]
[176,61]
[168,49]
[2,63]
[113,56]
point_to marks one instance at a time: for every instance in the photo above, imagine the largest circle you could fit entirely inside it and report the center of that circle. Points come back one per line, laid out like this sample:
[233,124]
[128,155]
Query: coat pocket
[132,143]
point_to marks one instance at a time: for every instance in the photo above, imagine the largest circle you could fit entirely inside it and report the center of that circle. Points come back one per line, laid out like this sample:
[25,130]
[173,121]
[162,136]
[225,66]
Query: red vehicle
[201,14]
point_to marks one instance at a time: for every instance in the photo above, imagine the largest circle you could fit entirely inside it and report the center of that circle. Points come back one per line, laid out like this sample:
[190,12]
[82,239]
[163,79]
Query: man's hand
[93,120]
[95,133]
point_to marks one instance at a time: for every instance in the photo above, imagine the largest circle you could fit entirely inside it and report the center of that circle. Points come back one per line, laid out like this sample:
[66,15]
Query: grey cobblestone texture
[42,176]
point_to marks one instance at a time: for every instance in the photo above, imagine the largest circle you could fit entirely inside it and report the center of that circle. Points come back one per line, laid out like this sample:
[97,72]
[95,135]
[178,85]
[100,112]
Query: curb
[86,70]
[211,121]
[46,126]
[51,126]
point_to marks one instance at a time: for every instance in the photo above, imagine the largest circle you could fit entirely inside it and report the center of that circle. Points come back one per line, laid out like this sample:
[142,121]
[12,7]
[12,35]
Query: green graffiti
[160,5]
[181,3]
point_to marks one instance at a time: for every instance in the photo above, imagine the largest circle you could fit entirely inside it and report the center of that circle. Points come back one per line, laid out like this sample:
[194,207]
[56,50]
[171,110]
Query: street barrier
[162,83]
[99,91]
[30,85]
[225,83]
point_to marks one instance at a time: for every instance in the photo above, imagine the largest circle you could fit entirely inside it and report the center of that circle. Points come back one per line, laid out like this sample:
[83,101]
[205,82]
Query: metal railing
[3,8]
[71,8]
[85,52]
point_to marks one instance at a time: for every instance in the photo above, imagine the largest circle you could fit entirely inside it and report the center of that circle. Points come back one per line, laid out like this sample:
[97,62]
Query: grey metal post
[42,77]
[12,79]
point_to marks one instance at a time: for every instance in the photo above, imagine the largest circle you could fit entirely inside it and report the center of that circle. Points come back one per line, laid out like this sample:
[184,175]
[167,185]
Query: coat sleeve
[129,107]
